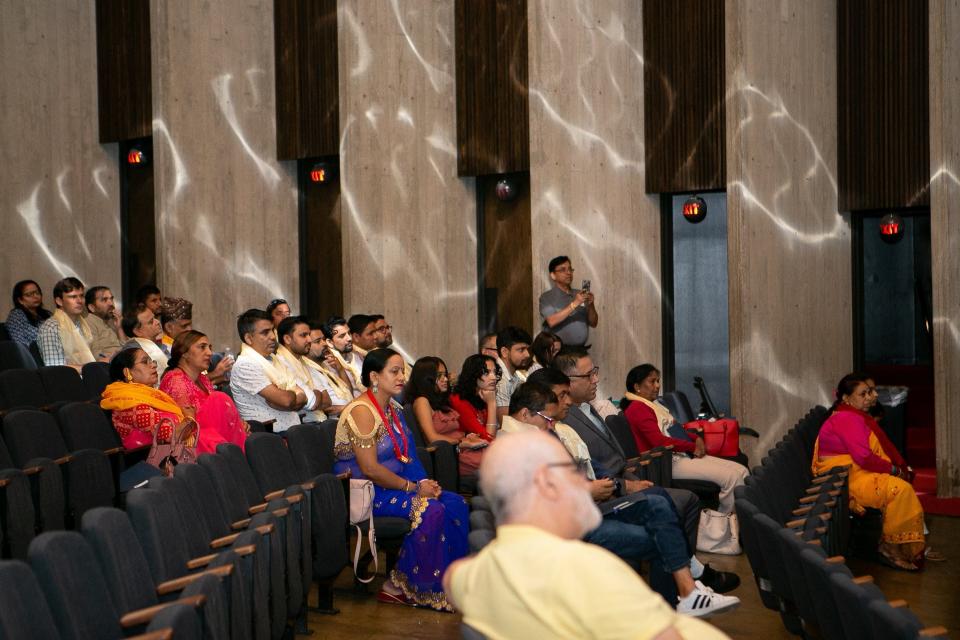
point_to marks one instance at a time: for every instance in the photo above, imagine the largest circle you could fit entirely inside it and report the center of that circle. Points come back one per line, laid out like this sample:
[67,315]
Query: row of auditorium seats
[45,387]
[794,528]
[14,355]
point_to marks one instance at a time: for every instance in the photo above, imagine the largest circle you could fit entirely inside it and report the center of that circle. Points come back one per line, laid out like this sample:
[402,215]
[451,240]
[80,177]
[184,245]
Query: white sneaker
[702,602]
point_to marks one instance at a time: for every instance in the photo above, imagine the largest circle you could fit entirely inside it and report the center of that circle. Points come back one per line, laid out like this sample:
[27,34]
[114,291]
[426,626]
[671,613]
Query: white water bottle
[227,353]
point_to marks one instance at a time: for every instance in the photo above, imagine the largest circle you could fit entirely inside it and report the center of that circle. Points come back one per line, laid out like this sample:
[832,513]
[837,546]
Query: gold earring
[128,377]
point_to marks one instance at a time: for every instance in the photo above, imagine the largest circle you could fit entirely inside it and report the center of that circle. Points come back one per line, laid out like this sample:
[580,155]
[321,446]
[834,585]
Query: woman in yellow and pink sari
[847,438]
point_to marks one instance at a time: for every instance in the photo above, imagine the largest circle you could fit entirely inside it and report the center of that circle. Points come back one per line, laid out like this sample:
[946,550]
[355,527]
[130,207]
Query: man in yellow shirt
[537,579]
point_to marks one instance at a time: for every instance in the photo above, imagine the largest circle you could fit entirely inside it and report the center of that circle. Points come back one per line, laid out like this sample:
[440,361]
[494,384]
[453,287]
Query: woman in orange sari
[847,438]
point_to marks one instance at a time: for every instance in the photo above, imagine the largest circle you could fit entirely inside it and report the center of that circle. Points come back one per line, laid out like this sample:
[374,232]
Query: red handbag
[721,436]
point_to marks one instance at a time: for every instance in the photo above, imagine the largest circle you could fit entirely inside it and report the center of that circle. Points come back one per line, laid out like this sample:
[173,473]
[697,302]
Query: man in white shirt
[513,348]
[145,332]
[339,390]
[347,365]
[262,390]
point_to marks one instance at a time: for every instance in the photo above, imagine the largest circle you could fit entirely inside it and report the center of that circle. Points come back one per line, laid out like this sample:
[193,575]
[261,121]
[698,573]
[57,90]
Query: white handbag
[361,508]
[718,533]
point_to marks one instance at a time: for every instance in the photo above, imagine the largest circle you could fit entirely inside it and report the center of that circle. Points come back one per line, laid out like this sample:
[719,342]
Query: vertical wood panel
[492,103]
[137,220]
[123,69]
[308,108]
[788,247]
[883,104]
[507,251]
[945,239]
[684,94]
[321,250]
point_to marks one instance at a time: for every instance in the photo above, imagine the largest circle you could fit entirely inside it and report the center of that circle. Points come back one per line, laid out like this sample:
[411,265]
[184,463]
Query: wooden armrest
[160,634]
[257,508]
[344,476]
[203,561]
[274,494]
[64,460]
[430,449]
[263,529]
[308,486]
[4,482]
[140,449]
[668,447]
[835,560]
[808,499]
[930,632]
[142,616]
[114,451]
[802,511]
[32,471]
[179,583]
[899,603]
[294,499]
[863,580]
[241,524]
[795,523]
[281,513]
[816,543]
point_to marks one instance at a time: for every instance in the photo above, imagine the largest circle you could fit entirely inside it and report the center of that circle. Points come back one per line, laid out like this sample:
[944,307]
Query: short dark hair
[358,322]
[145,292]
[315,325]
[376,316]
[375,361]
[549,377]
[484,338]
[91,295]
[556,262]
[531,396]
[509,336]
[288,324]
[567,359]
[131,320]
[331,323]
[276,303]
[634,377]
[542,347]
[247,320]
[66,286]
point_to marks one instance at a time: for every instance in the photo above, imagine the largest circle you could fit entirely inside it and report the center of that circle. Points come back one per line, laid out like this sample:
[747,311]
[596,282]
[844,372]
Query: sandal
[897,563]
[391,598]
[934,556]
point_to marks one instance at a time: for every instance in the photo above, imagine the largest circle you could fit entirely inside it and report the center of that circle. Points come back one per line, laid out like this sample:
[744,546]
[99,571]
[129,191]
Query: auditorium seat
[890,622]
[96,377]
[24,612]
[439,458]
[125,569]
[77,594]
[14,355]
[62,384]
[22,389]
[18,519]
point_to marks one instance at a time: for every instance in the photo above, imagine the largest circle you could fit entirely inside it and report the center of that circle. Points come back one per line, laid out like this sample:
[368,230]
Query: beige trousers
[725,473]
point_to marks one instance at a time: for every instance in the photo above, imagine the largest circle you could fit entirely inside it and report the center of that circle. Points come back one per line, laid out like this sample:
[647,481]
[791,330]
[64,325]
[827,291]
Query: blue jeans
[646,530]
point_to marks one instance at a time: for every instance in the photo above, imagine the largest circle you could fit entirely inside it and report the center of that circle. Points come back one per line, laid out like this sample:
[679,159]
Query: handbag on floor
[361,508]
[718,533]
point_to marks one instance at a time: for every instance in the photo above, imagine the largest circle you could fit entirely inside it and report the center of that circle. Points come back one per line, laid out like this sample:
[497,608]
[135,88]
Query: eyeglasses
[564,270]
[384,328]
[595,372]
[578,466]
[549,420]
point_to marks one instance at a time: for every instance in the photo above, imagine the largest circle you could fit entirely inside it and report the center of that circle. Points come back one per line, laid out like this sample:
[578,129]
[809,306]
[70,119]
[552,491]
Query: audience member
[374,442]
[536,579]
[144,330]
[27,314]
[278,309]
[363,333]
[488,345]
[384,331]
[65,337]
[344,363]
[149,296]
[339,390]
[567,312]
[847,439]
[176,317]
[188,385]
[606,455]
[145,416]
[545,346]
[474,397]
[262,390]
[649,422]
[428,390]
[513,357]
[293,332]
[636,527]
[104,321]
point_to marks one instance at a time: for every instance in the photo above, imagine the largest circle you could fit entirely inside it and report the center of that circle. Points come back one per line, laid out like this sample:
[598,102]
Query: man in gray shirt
[567,312]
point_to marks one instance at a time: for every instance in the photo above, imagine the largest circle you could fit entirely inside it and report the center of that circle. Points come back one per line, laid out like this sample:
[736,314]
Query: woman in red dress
[475,396]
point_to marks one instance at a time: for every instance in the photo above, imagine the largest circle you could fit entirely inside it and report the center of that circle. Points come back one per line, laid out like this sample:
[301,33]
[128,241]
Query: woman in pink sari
[186,382]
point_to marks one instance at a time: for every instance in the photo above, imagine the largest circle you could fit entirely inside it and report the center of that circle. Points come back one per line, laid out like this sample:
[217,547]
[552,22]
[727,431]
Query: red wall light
[694,209]
[136,156]
[318,174]
[323,173]
[891,228]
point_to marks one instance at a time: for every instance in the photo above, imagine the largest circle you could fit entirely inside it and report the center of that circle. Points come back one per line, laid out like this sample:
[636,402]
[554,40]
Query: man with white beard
[536,578]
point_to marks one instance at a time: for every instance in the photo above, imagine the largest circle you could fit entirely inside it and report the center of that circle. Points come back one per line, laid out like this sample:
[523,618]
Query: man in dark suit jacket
[606,454]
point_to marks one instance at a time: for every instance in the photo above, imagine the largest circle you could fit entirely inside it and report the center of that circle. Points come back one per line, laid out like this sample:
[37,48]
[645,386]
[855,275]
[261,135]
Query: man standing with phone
[568,312]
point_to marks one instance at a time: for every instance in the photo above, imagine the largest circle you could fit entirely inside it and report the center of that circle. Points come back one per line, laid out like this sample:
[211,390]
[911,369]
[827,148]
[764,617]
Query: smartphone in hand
[585,286]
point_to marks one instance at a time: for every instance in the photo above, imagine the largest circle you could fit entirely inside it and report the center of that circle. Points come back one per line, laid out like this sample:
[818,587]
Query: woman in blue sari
[374,442]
